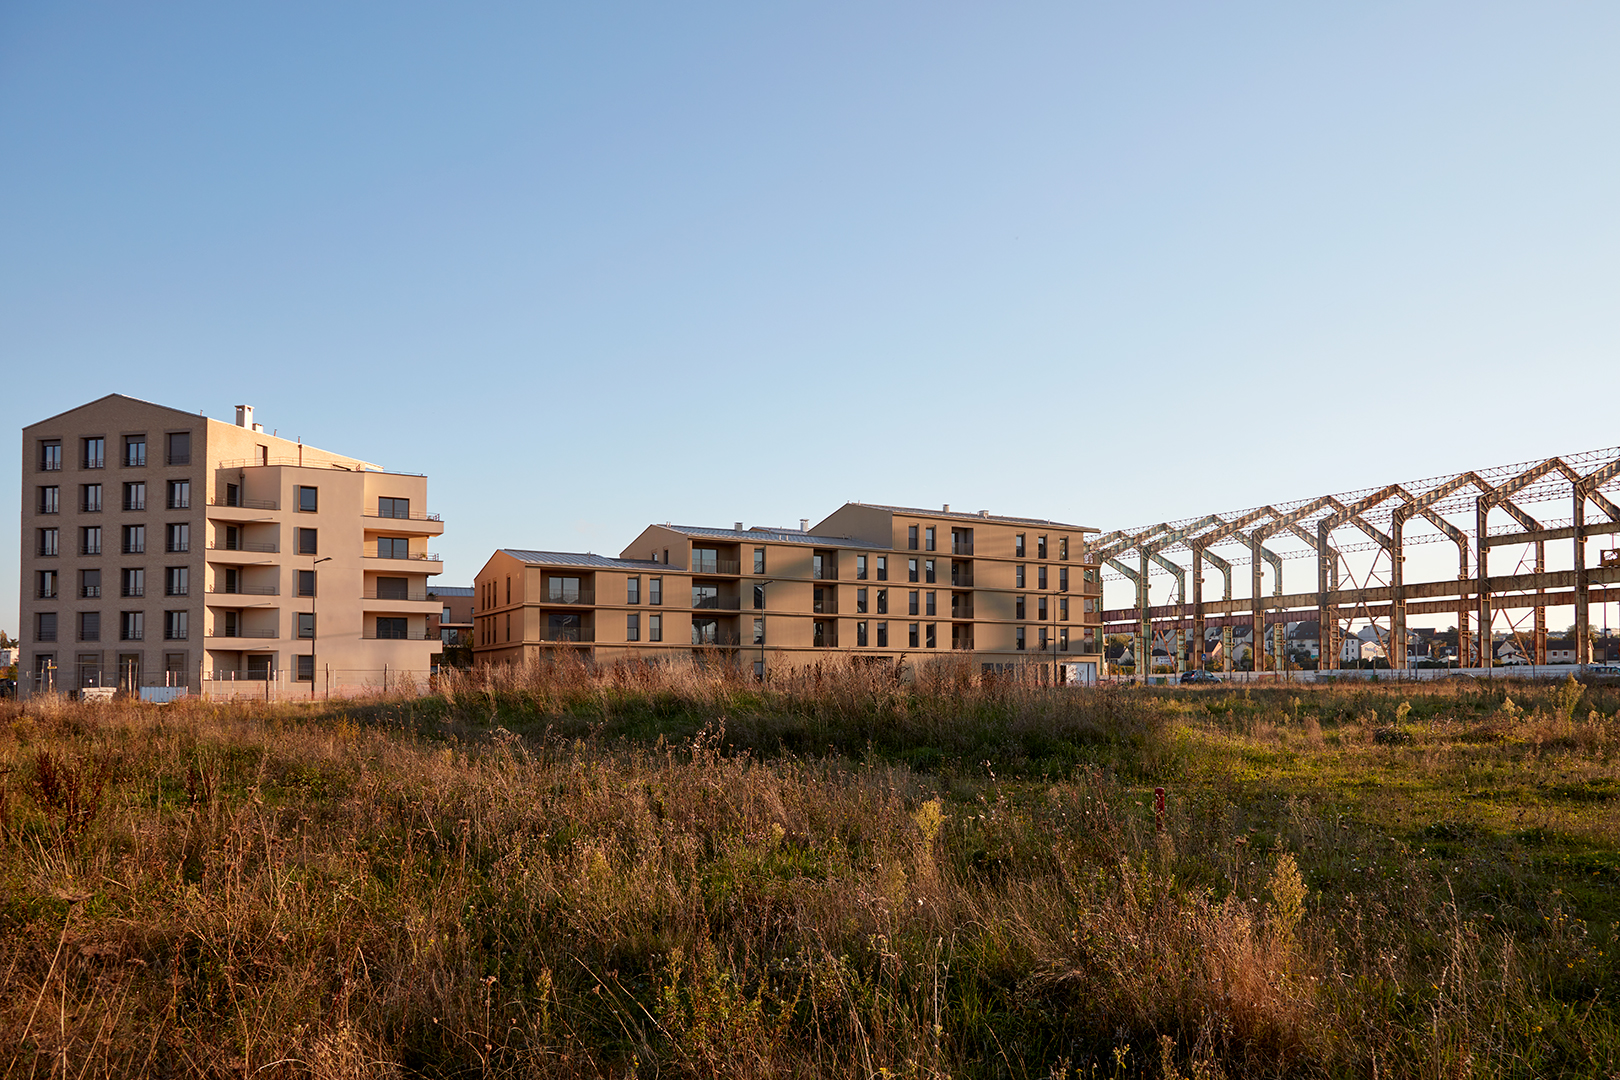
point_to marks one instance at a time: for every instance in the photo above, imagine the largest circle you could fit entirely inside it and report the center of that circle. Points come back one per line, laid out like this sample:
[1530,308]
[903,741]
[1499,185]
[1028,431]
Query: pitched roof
[981,516]
[775,536]
[121,397]
[582,558]
[450,590]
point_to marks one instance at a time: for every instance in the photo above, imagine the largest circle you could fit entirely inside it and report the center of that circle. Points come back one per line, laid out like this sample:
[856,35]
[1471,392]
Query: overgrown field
[558,873]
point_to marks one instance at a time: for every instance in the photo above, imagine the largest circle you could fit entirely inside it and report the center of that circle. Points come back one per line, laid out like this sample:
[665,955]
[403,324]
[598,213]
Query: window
[1063,608]
[860,633]
[95,452]
[177,537]
[90,540]
[89,626]
[50,500]
[928,571]
[932,608]
[632,590]
[233,495]
[90,498]
[883,635]
[309,500]
[392,628]
[883,602]
[632,626]
[1063,547]
[759,598]
[395,588]
[1090,575]
[393,508]
[179,495]
[50,455]
[911,602]
[45,626]
[1040,607]
[134,451]
[705,631]
[911,538]
[1018,638]
[759,560]
[1040,577]
[931,639]
[1040,547]
[1018,608]
[179,451]
[860,568]
[911,569]
[176,581]
[704,560]
[1018,546]
[1018,576]
[1063,639]
[46,541]
[47,585]
[1063,579]
[883,568]
[1040,638]
[860,601]
[655,595]
[134,539]
[655,628]
[309,542]
[928,538]
[89,584]
[306,668]
[912,635]
[559,590]
[131,626]
[759,631]
[134,496]
[509,589]
[132,582]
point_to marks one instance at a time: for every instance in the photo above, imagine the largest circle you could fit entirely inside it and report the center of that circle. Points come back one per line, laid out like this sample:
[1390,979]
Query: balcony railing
[961,577]
[824,607]
[244,504]
[241,633]
[409,635]
[412,597]
[571,634]
[826,573]
[715,638]
[132,635]
[961,547]
[90,592]
[414,556]
[716,566]
[244,545]
[246,590]
[961,611]
[138,591]
[717,603]
[414,515]
[571,598]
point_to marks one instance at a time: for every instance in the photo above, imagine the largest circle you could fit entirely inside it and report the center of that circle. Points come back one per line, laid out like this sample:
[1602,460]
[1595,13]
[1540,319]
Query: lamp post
[313,589]
[761,609]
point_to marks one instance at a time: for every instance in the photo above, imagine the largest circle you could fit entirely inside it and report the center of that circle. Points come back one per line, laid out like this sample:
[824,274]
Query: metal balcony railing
[414,556]
[244,504]
[571,598]
[414,515]
[826,573]
[716,566]
[409,635]
[717,603]
[961,547]
[411,597]
[715,638]
[90,592]
[241,633]
[246,590]
[570,634]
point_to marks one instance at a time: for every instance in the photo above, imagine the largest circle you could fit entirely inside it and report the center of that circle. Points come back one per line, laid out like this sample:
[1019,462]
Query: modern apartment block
[163,548]
[886,582]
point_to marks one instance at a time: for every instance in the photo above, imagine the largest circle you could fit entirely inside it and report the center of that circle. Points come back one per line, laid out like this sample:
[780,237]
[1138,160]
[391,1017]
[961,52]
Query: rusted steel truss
[1475,596]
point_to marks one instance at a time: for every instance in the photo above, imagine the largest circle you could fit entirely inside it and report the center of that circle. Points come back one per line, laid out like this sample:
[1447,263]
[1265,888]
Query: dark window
[135,496]
[95,452]
[131,626]
[179,452]
[883,602]
[134,539]
[883,568]
[1040,547]
[655,628]
[179,494]
[632,626]
[931,641]
[398,547]
[394,508]
[309,542]
[928,571]
[1018,639]
[309,499]
[759,631]
[1063,608]
[90,540]
[134,451]
[132,582]
[759,560]
[930,604]
[176,581]
[45,626]
[306,668]
[860,601]
[911,602]
[883,635]
[47,541]
[175,625]
[911,635]
[306,625]
[1063,639]
[391,627]
[1063,579]
[393,588]
[178,537]
[1040,638]
[632,590]
[558,589]
[860,633]
[233,495]
[911,538]
[50,500]
[1063,547]
[1018,577]
[90,625]
[50,455]
[1018,546]
[90,498]
[1040,577]
[1040,607]
[655,594]
[928,538]
[47,585]
[911,569]
[759,597]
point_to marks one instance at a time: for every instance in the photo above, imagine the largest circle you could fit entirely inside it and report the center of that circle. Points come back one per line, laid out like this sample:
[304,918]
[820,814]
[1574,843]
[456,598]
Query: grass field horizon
[557,872]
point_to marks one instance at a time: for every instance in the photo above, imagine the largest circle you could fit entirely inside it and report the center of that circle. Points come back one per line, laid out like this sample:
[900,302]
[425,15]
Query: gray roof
[581,558]
[449,590]
[775,536]
[958,516]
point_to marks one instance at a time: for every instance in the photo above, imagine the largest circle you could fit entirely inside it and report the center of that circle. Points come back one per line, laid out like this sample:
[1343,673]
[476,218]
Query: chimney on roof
[947,508]
[738,527]
[984,513]
[244,416]
[804,524]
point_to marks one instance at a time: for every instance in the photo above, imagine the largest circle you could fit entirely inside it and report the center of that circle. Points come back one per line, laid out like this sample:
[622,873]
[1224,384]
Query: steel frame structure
[1474,596]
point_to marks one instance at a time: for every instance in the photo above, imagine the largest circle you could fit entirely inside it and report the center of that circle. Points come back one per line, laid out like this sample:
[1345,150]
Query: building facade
[887,582]
[161,548]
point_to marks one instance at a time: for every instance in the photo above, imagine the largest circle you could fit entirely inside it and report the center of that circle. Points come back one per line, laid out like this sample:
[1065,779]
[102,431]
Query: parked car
[1198,677]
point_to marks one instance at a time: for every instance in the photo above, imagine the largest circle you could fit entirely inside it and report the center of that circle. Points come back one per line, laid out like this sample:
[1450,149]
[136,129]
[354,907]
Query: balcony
[962,575]
[239,503]
[570,634]
[961,547]
[241,633]
[266,546]
[409,635]
[962,609]
[716,638]
[717,603]
[716,567]
[246,590]
[405,597]
[370,552]
[828,606]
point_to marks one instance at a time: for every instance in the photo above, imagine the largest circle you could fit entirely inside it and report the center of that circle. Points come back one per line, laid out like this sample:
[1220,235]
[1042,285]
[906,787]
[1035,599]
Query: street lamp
[761,587]
[313,589]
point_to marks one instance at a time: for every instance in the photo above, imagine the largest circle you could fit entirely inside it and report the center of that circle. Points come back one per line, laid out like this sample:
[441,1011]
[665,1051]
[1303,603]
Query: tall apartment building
[160,547]
[876,581]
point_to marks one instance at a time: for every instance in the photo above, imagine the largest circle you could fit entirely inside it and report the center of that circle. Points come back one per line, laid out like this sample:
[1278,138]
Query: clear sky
[590,266]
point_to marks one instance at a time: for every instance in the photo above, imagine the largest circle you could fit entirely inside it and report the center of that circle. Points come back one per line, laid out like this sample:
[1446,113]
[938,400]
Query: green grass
[562,873]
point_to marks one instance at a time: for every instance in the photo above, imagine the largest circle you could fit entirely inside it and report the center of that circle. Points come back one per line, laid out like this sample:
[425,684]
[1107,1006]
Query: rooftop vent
[737,527]
[947,508]
[984,513]
[244,416]
[804,524]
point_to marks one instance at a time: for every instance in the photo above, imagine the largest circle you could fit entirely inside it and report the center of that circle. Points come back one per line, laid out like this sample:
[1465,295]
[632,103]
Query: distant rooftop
[982,515]
[777,536]
[449,590]
[580,558]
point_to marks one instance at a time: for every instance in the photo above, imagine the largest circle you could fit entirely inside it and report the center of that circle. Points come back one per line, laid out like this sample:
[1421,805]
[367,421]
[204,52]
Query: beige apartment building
[162,549]
[888,582]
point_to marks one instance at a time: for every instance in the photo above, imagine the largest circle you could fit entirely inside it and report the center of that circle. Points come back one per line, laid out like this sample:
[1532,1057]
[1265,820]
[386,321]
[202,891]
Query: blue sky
[591,266]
